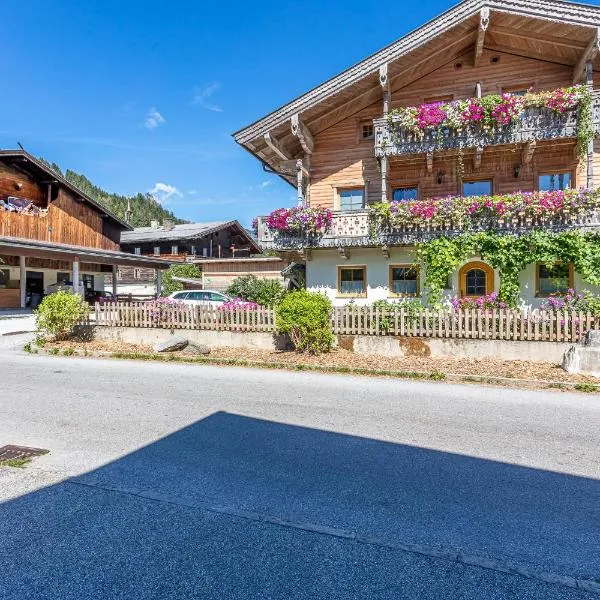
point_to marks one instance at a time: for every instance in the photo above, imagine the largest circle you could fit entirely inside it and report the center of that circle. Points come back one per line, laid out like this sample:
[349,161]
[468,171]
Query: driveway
[181,481]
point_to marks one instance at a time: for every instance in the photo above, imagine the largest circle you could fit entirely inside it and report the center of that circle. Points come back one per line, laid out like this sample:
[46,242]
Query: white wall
[322,269]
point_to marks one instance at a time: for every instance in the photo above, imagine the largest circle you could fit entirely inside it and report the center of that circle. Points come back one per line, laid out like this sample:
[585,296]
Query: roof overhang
[38,249]
[277,141]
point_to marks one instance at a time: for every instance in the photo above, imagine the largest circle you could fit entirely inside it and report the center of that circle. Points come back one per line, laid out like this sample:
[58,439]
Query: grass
[68,351]
[588,388]
[15,463]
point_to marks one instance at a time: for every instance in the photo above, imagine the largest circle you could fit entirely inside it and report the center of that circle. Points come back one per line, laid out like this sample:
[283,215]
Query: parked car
[93,296]
[204,297]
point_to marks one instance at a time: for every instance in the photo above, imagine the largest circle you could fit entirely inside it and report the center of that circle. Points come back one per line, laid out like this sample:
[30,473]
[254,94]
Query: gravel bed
[482,367]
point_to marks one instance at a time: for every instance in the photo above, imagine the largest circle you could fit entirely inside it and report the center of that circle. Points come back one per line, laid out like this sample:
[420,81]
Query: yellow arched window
[476,279]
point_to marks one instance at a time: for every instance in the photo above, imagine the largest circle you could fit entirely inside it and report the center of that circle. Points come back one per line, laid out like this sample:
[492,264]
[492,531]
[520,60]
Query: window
[553,278]
[352,280]
[405,194]
[367,131]
[476,279]
[475,284]
[156,250]
[483,187]
[63,278]
[136,273]
[174,249]
[181,295]
[554,181]
[352,199]
[214,296]
[404,280]
[137,251]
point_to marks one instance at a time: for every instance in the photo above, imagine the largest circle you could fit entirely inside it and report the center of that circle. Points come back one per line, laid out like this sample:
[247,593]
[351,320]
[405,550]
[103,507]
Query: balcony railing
[537,124]
[355,229]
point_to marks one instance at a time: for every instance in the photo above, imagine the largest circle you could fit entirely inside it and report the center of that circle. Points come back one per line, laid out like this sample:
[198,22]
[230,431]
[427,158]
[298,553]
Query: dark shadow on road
[165,521]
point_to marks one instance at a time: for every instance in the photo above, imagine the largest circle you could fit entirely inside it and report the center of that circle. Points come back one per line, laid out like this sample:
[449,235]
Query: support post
[384,175]
[589,81]
[158,283]
[76,276]
[299,182]
[384,82]
[114,280]
[22,281]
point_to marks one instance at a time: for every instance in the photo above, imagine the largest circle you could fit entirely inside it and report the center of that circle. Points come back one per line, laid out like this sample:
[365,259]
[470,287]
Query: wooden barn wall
[47,263]
[10,179]
[342,160]
[67,222]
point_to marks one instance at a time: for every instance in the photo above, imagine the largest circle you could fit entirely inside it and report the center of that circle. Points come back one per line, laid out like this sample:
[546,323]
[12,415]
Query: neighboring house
[181,243]
[217,274]
[51,232]
[345,148]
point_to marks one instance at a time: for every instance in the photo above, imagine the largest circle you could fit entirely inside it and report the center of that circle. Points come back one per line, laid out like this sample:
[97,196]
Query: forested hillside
[143,206]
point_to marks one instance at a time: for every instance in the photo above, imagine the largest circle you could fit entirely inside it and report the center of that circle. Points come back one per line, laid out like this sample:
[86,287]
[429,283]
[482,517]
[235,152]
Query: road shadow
[141,522]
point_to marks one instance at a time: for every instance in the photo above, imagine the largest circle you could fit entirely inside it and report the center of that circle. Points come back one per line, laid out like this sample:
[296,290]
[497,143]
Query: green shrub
[58,314]
[306,318]
[266,292]
[588,388]
[412,306]
[181,270]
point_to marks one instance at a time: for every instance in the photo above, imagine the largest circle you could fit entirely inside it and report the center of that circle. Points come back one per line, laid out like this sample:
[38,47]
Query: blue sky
[143,96]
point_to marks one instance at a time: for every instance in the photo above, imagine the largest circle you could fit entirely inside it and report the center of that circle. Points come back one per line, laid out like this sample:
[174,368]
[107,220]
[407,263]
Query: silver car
[204,297]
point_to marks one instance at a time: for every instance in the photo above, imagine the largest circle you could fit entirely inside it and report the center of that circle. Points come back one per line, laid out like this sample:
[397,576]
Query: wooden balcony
[354,229]
[538,124]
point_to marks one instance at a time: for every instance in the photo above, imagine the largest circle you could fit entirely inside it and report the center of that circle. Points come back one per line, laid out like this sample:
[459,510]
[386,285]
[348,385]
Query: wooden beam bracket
[384,82]
[484,21]
[301,131]
[528,151]
[429,159]
[589,54]
[277,147]
[344,253]
[385,251]
[477,158]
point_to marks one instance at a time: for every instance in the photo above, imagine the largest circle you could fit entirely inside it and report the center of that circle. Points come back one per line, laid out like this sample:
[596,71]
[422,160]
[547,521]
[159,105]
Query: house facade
[483,121]
[52,234]
[187,242]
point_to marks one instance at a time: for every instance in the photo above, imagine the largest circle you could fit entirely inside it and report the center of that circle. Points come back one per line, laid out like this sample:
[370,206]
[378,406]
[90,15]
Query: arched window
[476,279]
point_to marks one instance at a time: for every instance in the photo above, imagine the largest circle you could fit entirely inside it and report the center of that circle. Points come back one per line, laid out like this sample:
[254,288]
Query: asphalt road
[180,481]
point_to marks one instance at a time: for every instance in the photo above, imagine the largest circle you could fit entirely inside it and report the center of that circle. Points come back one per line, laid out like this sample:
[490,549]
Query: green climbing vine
[510,255]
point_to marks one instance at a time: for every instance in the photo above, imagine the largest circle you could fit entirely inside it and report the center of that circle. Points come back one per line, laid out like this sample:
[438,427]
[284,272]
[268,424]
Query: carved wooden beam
[385,251]
[343,253]
[300,182]
[429,162]
[301,131]
[277,147]
[384,82]
[484,21]
[477,158]
[528,152]
[589,54]
[305,253]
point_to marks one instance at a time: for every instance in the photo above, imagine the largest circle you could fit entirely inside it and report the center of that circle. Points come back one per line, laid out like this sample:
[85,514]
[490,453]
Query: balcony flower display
[300,220]
[491,112]
[463,212]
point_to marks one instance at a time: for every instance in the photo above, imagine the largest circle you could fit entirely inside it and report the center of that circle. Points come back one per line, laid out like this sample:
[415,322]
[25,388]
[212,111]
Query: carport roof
[40,249]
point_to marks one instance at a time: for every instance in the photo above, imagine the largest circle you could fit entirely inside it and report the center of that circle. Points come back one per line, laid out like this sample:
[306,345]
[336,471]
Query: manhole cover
[17,452]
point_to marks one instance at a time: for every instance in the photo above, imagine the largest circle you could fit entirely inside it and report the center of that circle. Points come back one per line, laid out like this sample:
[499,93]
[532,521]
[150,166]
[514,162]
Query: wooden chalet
[186,242]
[52,233]
[343,145]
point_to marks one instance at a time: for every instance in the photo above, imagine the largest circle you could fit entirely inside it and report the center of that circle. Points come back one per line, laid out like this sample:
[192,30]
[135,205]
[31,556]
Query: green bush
[306,318]
[58,314]
[412,306]
[181,270]
[266,292]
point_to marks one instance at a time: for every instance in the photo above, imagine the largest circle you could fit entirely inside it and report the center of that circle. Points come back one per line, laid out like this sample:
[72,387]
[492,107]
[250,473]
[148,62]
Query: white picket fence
[496,324]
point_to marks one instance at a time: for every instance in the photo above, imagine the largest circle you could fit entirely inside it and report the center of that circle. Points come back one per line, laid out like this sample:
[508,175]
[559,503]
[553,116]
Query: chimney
[154,224]
[168,224]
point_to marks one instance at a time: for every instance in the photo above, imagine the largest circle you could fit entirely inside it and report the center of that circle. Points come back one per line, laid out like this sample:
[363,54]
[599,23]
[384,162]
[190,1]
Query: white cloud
[192,192]
[163,192]
[202,96]
[154,119]
[265,184]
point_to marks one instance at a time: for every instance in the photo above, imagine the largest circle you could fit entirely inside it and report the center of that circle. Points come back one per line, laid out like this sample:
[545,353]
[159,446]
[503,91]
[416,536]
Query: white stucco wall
[322,272]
